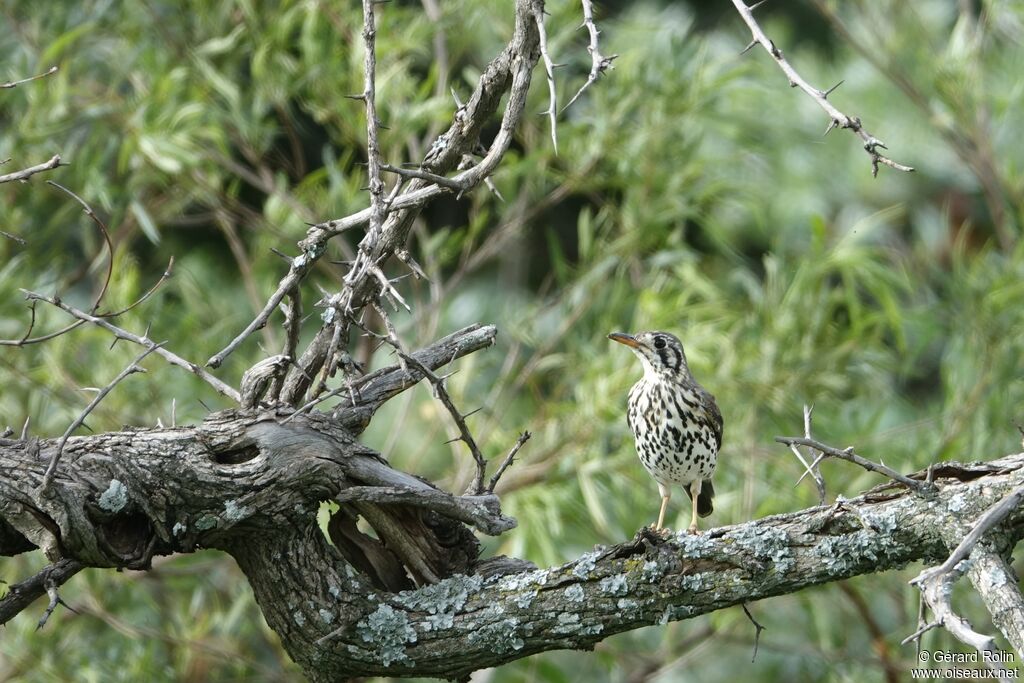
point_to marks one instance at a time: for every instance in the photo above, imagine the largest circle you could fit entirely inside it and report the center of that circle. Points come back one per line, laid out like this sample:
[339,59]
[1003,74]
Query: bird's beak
[623,338]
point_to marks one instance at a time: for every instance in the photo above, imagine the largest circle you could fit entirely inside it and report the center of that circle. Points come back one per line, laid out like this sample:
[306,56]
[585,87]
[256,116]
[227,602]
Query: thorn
[361,97]
[458,438]
[833,88]
[756,5]
[472,412]
[831,124]
[208,409]
[748,47]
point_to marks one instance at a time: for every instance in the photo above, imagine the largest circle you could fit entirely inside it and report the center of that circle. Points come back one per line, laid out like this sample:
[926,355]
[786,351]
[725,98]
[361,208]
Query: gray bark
[249,485]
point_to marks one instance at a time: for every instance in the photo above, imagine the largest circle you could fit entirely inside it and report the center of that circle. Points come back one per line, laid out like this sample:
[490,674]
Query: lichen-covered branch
[353,607]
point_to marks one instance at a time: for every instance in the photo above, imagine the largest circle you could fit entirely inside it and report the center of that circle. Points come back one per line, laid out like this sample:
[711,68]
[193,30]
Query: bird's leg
[666,493]
[695,488]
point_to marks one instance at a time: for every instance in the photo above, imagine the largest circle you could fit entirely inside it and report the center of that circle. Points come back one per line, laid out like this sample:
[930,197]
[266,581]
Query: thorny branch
[936,583]
[850,456]
[24,593]
[599,63]
[389,219]
[46,337]
[837,119]
[131,369]
[144,340]
[549,70]
[812,469]
[507,462]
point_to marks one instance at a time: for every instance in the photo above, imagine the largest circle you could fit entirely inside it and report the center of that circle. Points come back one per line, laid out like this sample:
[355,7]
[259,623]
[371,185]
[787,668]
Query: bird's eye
[659,343]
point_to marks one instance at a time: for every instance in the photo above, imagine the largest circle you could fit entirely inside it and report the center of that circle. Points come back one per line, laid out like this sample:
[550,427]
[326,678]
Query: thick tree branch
[111,506]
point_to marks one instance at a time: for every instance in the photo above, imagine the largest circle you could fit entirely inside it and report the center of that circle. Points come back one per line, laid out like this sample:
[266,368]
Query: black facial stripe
[669,357]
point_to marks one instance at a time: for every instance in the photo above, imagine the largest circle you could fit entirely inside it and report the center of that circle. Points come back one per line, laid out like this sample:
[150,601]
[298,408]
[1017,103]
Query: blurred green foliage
[692,192]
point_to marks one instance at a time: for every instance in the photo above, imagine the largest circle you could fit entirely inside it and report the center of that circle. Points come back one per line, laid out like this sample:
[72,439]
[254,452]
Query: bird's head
[660,352]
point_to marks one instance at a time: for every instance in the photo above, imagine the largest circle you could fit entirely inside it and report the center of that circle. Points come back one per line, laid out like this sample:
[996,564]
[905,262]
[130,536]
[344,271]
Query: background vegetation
[692,191]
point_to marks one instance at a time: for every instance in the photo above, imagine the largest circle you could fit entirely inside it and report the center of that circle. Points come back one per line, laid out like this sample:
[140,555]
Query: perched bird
[676,422]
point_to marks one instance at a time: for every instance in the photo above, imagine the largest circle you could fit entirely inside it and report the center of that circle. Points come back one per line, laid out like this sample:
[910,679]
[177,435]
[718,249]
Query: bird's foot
[692,529]
[659,531]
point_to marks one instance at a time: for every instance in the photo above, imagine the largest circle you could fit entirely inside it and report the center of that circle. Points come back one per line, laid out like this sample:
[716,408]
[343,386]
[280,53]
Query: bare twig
[120,333]
[441,393]
[26,173]
[51,590]
[523,438]
[811,469]
[549,70]
[110,316]
[441,180]
[131,369]
[758,627]
[848,455]
[300,265]
[599,63]
[837,119]
[14,84]
[389,290]
[369,98]
[24,593]
[13,237]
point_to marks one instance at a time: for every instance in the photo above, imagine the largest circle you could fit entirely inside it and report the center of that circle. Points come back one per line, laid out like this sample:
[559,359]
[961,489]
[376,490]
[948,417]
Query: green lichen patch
[448,596]
[501,636]
[235,512]
[568,622]
[694,545]
[614,585]
[388,630]
[585,565]
[766,544]
[517,582]
[115,497]
[574,593]
[206,522]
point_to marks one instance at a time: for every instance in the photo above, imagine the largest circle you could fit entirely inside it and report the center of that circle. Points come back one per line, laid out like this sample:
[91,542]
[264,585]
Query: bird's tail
[704,504]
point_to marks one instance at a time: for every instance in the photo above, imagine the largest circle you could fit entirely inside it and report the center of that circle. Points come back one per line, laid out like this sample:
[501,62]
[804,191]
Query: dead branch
[26,173]
[599,63]
[170,357]
[849,455]
[14,84]
[837,119]
[131,369]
